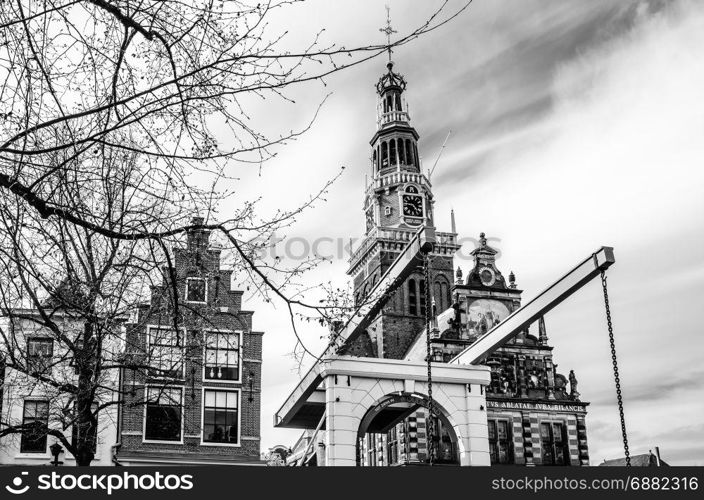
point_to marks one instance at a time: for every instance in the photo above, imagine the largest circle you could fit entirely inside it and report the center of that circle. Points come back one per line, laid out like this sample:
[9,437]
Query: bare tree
[120,121]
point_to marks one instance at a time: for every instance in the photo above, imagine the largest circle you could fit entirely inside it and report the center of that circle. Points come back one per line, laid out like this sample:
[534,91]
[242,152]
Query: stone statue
[573,385]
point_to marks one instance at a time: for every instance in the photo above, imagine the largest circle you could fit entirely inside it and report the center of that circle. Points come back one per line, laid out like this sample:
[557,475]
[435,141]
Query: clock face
[413,206]
[487,276]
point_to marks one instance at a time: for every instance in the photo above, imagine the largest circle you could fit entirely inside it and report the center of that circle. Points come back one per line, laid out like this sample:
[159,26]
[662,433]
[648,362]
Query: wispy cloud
[575,124]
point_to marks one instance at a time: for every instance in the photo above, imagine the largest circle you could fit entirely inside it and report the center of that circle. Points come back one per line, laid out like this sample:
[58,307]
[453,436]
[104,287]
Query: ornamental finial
[389,31]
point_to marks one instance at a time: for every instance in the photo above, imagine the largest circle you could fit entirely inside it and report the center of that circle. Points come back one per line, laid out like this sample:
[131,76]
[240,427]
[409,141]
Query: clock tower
[397,202]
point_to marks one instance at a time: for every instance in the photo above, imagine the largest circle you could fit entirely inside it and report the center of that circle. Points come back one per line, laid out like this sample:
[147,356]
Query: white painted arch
[354,386]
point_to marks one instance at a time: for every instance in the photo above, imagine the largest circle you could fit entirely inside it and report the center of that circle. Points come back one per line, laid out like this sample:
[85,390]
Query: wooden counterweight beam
[524,316]
[409,259]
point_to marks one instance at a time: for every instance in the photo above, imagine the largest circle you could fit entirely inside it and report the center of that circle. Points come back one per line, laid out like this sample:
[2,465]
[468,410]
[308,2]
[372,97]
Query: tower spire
[388,30]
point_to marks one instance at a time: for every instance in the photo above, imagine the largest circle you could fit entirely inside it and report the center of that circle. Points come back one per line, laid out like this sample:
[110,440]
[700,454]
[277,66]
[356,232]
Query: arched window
[401,152]
[392,152]
[409,153]
[389,103]
[421,294]
[412,297]
[415,151]
[442,295]
[398,102]
[374,160]
[384,154]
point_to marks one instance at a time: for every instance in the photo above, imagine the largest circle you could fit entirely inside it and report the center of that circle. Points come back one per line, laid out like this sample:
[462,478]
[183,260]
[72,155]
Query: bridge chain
[430,423]
[617,379]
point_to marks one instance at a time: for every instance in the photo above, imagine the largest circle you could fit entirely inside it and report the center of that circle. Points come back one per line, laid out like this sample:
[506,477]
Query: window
[437,295]
[222,356]
[163,414]
[421,295]
[392,446]
[39,353]
[384,155]
[92,431]
[441,295]
[409,152]
[392,152]
[166,352]
[500,442]
[445,448]
[220,417]
[553,444]
[196,290]
[371,450]
[35,419]
[412,292]
[401,152]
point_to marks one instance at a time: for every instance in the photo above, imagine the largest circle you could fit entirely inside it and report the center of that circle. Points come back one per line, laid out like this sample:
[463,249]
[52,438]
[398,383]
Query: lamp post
[56,450]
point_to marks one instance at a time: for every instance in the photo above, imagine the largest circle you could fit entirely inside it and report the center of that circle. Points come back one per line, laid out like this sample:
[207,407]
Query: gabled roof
[644,460]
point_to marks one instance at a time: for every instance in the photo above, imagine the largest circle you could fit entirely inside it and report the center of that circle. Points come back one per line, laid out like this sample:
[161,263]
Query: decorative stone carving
[574,394]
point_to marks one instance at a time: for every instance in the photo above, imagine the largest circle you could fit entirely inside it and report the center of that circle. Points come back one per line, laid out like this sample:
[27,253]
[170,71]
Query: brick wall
[222,311]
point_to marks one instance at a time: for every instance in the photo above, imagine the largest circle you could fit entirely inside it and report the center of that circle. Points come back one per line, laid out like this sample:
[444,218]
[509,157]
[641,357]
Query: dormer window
[40,351]
[196,290]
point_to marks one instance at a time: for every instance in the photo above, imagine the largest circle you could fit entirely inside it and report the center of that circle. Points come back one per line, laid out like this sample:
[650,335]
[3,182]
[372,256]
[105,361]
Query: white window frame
[161,376]
[47,453]
[239,416]
[144,415]
[566,444]
[239,362]
[205,281]
[49,369]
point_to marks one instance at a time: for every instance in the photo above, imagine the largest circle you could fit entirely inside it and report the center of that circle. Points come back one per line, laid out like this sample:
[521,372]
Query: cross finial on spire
[388,30]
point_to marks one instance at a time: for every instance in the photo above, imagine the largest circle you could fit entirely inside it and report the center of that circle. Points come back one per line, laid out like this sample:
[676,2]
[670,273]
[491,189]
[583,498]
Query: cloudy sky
[574,125]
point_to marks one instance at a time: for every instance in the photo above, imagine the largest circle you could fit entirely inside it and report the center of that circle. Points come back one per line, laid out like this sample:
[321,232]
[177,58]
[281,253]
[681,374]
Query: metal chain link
[430,423]
[617,379]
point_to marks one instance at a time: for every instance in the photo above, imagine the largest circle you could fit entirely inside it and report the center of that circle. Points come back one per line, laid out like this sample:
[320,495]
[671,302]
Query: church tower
[397,202]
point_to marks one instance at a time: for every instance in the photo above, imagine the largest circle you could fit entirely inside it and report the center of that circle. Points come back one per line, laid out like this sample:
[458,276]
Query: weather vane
[388,30]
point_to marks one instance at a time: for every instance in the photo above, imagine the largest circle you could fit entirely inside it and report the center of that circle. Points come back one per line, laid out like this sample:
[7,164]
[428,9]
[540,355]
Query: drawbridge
[342,397]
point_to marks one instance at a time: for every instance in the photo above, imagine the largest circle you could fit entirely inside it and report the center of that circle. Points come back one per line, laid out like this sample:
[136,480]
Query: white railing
[392,116]
[398,177]
[403,235]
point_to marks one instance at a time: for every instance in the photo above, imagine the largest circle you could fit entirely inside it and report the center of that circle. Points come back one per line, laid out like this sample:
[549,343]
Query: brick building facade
[534,414]
[194,394]
[397,202]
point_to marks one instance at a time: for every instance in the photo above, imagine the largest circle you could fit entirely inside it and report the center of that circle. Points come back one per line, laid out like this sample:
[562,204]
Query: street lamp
[56,450]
